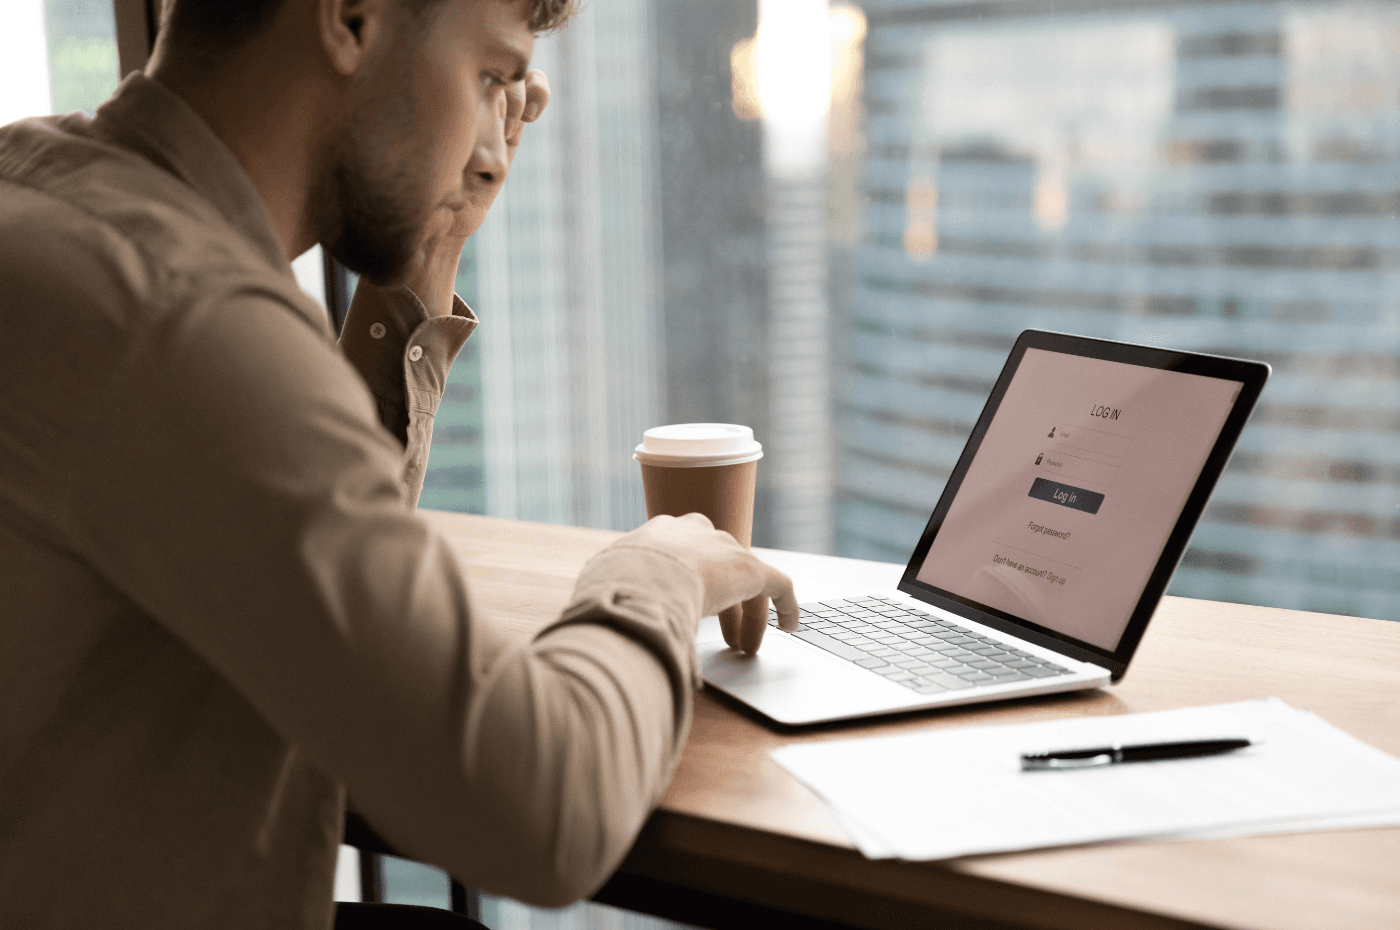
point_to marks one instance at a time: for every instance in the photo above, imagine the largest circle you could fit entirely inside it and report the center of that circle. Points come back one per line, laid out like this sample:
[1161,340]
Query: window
[56,56]
[830,221]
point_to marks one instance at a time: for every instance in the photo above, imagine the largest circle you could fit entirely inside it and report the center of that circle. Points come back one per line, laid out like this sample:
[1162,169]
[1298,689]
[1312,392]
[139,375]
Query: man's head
[400,89]
[216,26]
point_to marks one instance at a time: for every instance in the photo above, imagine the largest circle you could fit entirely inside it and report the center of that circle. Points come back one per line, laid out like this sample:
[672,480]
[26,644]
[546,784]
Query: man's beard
[367,215]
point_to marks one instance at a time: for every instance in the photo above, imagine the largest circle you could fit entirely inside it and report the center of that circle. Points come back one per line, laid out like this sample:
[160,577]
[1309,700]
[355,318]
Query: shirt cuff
[650,596]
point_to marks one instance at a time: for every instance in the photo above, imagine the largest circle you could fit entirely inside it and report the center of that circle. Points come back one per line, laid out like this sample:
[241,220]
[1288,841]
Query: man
[218,613]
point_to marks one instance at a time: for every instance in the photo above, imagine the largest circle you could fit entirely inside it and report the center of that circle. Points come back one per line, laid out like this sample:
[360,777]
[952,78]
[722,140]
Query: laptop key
[1005,677]
[1038,672]
[894,674]
[951,682]
[871,662]
[931,687]
[830,644]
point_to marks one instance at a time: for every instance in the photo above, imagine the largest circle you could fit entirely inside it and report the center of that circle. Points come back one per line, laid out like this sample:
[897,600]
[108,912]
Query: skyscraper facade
[1219,177]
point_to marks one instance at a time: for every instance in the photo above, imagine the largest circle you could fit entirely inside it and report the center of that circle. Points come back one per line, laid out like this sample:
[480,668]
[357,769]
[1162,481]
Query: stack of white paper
[932,795]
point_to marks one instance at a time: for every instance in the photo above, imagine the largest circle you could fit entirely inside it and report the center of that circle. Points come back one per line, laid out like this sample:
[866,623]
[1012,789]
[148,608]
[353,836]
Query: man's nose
[488,161]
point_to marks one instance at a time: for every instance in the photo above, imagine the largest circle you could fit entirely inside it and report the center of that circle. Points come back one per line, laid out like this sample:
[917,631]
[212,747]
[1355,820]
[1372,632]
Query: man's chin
[381,266]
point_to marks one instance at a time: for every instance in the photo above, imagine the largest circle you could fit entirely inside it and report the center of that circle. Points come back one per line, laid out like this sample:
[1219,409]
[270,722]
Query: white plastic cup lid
[689,445]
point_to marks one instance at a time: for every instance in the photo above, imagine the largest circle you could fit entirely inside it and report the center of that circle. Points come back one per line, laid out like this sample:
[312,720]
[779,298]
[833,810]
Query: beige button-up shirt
[218,610]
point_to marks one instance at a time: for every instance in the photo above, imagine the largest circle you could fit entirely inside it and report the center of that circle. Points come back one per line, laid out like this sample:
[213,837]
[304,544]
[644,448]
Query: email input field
[1092,440]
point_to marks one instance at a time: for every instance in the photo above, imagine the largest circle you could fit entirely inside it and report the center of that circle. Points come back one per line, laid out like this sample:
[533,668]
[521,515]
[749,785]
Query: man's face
[411,122]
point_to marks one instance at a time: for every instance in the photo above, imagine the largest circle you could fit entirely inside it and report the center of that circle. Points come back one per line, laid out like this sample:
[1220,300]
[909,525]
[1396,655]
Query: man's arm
[248,501]
[236,486]
[403,339]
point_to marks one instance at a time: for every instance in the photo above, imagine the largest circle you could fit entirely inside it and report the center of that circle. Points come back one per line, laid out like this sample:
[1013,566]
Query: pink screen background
[1078,573]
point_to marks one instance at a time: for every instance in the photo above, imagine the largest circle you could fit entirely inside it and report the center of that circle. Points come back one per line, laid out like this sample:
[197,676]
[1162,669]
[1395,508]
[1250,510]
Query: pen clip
[1046,761]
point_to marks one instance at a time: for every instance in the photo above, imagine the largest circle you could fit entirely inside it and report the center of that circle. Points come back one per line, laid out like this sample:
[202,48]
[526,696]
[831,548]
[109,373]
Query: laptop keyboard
[922,652]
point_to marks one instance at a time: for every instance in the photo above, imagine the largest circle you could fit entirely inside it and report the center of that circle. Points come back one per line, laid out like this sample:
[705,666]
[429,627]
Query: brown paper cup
[724,493]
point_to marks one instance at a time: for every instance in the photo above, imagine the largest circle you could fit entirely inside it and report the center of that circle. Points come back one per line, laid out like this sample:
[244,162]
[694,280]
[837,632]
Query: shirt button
[376,330]
[415,353]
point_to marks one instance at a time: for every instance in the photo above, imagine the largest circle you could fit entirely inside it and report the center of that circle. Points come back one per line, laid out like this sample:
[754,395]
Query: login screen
[1074,490]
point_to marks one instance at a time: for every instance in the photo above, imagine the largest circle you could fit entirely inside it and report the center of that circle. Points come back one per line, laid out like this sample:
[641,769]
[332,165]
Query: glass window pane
[56,56]
[24,63]
[82,47]
[830,221]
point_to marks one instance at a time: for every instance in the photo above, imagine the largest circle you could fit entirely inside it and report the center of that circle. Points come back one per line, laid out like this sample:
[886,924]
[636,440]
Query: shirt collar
[154,122]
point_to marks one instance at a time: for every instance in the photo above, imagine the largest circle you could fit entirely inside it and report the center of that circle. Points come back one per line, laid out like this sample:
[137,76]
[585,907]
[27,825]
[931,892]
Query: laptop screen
[1066,506]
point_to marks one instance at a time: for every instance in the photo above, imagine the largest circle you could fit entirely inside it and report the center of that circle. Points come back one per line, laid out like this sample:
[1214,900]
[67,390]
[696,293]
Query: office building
[1215,177]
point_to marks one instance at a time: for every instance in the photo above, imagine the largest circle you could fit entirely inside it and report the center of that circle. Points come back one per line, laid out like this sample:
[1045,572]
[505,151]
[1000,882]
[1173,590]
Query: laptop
[1046,555]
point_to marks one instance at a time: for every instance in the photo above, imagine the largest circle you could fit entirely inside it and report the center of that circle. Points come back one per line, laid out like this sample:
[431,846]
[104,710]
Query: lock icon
[1039,457]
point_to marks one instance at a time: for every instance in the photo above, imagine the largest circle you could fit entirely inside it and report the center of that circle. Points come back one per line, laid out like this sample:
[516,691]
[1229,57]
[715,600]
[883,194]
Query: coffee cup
[708,468]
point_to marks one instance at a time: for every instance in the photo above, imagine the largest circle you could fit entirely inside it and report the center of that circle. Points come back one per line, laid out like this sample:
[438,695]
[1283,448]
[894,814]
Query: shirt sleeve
[235,485]
[404,355]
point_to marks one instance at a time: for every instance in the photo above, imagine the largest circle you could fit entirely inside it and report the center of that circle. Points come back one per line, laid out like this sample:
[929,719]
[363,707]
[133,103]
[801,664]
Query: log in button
[1066,496]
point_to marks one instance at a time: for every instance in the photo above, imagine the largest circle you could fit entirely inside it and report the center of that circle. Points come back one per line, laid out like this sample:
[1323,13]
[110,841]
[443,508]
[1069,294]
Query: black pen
[1116,755]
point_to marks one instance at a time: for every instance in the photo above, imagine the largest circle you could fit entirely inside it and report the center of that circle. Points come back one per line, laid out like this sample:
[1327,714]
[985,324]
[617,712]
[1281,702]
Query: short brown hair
[226,24]
[549,15]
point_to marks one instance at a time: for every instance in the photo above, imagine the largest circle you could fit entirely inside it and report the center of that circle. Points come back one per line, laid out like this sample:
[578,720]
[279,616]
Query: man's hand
[731,574]
[434,271]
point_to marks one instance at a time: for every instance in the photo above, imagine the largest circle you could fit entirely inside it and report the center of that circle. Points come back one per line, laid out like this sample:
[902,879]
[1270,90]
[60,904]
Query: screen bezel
[1251,377]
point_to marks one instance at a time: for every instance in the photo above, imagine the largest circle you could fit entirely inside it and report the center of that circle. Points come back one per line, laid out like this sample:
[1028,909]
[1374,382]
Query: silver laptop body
[1054,540]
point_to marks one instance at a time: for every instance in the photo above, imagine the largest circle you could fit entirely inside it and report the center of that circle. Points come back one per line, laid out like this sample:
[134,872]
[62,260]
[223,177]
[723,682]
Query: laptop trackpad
[793,682]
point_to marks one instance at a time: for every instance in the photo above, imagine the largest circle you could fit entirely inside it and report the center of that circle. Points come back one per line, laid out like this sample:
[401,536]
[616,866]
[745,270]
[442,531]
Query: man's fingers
[755,624]
[514,95]
[699,519]
[731,621]
[779,588]
[536,95]
[525,101]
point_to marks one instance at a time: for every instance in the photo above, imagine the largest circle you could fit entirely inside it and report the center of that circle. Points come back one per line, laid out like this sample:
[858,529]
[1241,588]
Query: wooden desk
[735,826]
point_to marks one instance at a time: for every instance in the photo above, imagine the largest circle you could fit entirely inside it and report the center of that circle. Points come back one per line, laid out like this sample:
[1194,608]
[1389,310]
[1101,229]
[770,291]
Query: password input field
[1072,466]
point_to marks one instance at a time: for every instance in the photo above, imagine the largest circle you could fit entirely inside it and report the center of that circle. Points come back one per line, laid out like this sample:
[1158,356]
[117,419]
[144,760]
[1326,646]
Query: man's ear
[350,29]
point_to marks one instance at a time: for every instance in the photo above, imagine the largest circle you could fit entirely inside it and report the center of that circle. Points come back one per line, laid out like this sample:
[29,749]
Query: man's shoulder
[82,213]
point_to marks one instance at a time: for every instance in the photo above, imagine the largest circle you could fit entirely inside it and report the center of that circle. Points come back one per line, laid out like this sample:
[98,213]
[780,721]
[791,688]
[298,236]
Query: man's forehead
[507,29]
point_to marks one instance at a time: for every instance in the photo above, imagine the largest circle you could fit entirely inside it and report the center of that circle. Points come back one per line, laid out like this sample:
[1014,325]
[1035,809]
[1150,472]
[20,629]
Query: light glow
[24,62]
[793,60]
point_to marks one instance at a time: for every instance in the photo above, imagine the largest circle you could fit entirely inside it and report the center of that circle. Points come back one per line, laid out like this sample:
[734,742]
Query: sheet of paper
[946,793]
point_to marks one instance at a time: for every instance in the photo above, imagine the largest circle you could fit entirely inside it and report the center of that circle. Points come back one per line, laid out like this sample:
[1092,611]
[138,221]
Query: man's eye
[488,81]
